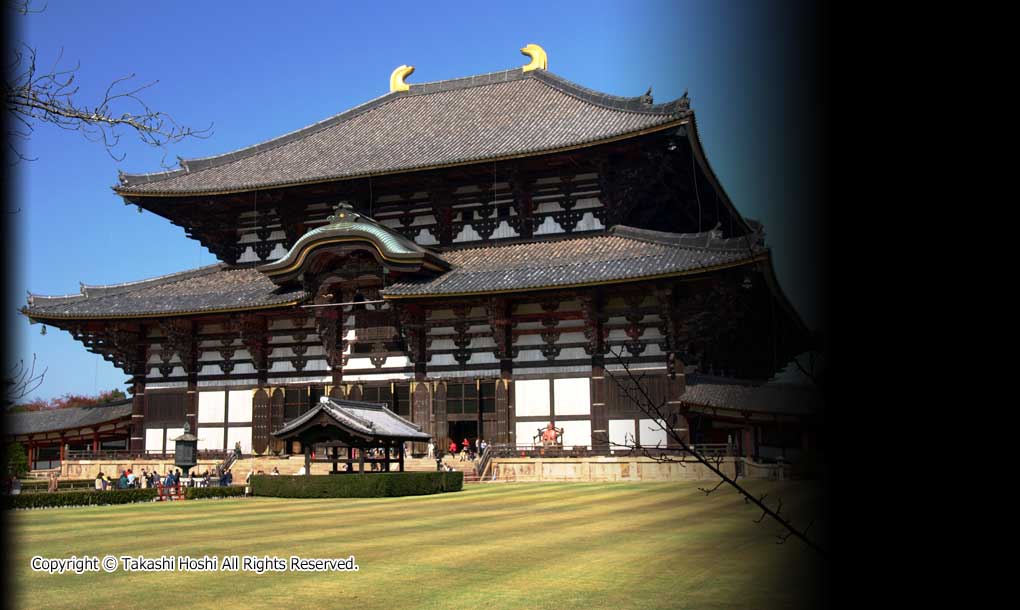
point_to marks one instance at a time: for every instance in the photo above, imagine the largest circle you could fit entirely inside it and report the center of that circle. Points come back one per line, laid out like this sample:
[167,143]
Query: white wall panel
[651,434]
[531,397]
[573,396]
[210,407]
[621,432]
[240,406]
[210,438]
[575,432]
[242,435]
[154,439]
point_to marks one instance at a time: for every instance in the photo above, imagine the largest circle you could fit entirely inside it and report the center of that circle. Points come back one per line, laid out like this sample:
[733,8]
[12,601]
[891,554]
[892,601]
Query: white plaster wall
[240,406]
[210,406]
[573,396]
[532,397]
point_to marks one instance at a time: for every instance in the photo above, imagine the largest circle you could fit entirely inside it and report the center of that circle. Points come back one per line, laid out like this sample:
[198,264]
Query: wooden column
[400,449]
[335,450]
[361,460]
[308,457]
[95,442]
[388,456]
[350,459]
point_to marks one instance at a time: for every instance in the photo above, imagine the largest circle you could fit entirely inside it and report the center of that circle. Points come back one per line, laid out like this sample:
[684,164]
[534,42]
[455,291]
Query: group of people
[129,480]
[466,451]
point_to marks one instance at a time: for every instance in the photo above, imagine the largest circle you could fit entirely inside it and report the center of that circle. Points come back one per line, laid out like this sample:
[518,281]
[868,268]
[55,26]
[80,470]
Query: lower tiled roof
[773,399]
[211,288]
[366,418]
[622,254]
[51,420]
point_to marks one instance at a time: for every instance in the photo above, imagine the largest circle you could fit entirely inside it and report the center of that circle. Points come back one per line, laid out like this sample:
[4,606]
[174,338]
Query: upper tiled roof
[771,399]
[49,420]
[622,254]
[366,418]
[492,116]
[210,288]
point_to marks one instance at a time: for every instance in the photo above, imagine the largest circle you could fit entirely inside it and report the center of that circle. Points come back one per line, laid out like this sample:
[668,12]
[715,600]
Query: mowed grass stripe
[492,545]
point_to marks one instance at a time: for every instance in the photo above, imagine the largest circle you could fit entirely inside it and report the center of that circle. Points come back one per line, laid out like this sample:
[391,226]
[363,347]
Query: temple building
[482,255]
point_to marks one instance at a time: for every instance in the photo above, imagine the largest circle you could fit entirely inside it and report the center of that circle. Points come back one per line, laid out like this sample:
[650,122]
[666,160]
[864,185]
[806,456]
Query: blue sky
[256,70]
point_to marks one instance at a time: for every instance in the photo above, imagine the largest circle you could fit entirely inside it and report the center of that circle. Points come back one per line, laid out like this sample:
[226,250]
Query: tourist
[52,485]
[431,449]
[122,482]
[275,473]
[453,447]
[15,486]
[483,445]
[229,477]
[100,483]
[439,461]
[131,478]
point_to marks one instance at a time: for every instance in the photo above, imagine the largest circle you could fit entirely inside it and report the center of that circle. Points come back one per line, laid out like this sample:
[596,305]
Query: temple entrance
[459,430]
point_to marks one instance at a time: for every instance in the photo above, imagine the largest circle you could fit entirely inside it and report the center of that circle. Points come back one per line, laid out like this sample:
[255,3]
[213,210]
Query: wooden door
[276,418]
[260,422]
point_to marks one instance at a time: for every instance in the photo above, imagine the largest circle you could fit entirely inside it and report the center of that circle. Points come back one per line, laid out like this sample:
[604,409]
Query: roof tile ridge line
[741,243]
[468,82]
[357,418]
[102,287]
[610,101]
[555,238]
[203,163]
[406,421]
[103,290]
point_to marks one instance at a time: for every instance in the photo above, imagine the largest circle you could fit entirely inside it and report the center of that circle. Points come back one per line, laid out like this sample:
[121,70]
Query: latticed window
[295,403]
[377,394]
[466,397]
[403,400]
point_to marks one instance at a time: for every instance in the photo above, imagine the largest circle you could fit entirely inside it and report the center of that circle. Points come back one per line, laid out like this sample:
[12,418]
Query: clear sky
[259,69]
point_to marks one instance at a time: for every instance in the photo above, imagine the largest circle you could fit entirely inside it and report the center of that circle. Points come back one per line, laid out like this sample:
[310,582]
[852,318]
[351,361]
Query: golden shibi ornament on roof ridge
[539,61]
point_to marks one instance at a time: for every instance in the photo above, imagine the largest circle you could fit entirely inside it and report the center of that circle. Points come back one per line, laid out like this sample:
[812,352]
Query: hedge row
[378,485]
[194,493]
[79,498]
[43,485]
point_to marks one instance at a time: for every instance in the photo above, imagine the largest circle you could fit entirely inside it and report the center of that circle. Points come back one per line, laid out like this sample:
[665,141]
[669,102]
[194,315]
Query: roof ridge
[639,105]
[703,240]
[102,290]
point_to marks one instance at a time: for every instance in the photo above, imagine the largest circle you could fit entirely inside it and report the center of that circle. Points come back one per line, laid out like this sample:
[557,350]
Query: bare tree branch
[636,393]
[35,95]
[21,381]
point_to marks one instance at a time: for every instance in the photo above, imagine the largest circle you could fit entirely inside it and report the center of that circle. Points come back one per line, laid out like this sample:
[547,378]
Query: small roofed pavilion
[349,425]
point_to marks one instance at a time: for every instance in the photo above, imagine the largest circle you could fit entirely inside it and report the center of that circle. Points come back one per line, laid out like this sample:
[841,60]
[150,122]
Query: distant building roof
[490,116]
[51,420]
[771,399]
[364,419]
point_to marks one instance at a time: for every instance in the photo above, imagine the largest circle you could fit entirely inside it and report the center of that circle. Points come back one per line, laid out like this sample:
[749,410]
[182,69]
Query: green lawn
[543,545]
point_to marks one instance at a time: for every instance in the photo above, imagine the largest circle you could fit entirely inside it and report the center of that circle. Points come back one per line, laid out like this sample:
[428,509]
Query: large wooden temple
[478,254]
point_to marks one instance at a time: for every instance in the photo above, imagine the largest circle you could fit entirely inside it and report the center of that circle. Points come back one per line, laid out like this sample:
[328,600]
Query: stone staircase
[429,465]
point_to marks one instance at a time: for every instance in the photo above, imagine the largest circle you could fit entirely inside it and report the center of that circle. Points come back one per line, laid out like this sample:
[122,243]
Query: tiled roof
[772,399]
[491,116]
[361,417]
[49,420]
[211,288]
[622,254]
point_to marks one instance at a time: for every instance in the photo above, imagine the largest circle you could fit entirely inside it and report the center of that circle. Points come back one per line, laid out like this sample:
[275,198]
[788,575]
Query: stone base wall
[600,469]
[88,469]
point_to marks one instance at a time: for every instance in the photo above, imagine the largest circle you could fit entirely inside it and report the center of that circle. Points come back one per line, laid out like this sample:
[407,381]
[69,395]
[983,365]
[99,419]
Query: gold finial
[539,60]
[397,78]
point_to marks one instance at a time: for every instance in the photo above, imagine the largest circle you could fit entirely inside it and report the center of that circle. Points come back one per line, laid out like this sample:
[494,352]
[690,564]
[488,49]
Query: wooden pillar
[308,457]
[401,454]
[361,460]
[31,456]
[335,451]
[95,442]
[63,449]
[350,459]
[387,462]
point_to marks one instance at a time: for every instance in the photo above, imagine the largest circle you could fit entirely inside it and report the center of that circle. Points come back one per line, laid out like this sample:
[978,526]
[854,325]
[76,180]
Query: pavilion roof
[492,116]
[51,420]
[362,418]
[770,399]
